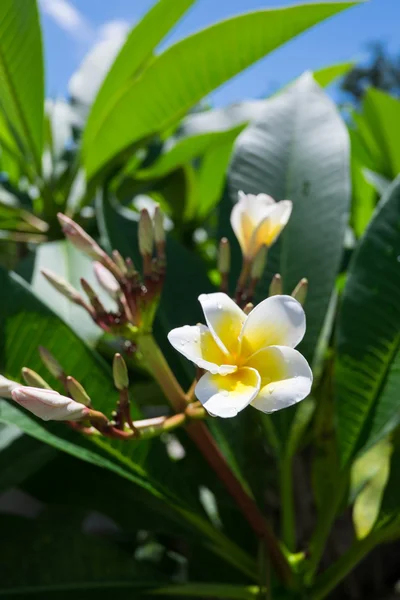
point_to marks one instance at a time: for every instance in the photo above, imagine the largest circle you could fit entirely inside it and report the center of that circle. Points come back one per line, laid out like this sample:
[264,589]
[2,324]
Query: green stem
[202,437]
[323,529]
[287,505]
[157,364]
[346,563]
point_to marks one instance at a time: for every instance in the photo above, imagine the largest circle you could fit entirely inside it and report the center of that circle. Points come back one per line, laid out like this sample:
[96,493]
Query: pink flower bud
[106,280]
[49,405]
[80,239]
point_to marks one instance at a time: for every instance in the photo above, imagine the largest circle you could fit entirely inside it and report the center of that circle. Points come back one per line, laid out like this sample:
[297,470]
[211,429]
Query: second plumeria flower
[258,220]
[248,359]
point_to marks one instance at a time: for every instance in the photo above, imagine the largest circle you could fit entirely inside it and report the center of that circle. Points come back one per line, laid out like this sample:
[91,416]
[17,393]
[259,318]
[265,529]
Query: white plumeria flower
[7,386]
[48,404]
[258,220]
[249,359]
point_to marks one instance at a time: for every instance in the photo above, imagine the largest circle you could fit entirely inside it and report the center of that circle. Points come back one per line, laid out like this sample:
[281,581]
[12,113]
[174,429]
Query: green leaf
[368,344]
[135,54]
[382,113]
[21,73]
[328,75]
[389,517]
[369,477]
[379,182]
[187,71]
[277,155]
[364,197]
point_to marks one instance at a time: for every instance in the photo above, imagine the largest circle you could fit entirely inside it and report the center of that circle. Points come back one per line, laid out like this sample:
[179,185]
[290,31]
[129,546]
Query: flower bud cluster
[136,297]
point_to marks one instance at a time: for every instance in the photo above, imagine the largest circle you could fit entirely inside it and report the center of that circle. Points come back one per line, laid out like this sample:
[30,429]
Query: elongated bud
[49,405]
[51,364]
[130,268]
[7,386]
[224,256]
[248,308]
[300,291]
[106,280]
[120,373]
[119,261]
[159,231]
[77,391]
[33,379]
[93,297]
[62,286]
[146,234]
[80,239]
[258,266]
[276,287]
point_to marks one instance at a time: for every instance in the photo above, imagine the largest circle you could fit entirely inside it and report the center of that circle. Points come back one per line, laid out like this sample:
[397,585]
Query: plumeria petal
[278,320]
[198,345]
[226,396]
[286,378]
[7,386]
[224,319]
[271,226]
[247,214]
[49,405]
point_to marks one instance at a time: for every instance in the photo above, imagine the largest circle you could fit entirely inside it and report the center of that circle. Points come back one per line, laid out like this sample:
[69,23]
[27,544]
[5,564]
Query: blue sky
[71,27]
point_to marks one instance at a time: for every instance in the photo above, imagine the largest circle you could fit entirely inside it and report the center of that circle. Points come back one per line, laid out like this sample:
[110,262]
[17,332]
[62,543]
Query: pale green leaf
[369,476]
[277,154]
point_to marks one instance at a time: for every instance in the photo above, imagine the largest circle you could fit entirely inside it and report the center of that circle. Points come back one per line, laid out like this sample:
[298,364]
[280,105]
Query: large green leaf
[136,52]
[368,344]
[190,69]
[277,154]
[21,73]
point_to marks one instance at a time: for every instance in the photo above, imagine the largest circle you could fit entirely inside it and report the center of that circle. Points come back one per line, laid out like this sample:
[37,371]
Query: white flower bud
[48,404]
[7,386]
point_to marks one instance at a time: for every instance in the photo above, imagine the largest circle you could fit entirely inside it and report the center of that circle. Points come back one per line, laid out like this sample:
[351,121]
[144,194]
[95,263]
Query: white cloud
[86,81]
[68,18]
[113,30]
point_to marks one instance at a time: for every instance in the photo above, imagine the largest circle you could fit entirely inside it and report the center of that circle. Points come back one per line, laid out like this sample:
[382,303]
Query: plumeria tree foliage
[180,267]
